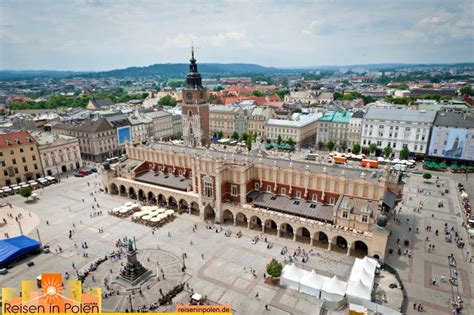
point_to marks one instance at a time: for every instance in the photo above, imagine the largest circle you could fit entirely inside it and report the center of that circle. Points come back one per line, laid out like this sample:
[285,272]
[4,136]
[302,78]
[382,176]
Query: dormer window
[365,218]
[345,214]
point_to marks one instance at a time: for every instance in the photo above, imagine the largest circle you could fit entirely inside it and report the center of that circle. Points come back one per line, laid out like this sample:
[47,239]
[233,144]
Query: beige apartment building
[334,208]
[162,124]
[97,138]
[227,119]
[302,129]
[258,119]
[59,153]
[19,158]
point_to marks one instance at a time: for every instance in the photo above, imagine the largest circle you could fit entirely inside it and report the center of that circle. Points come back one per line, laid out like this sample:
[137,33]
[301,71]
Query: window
[14,161]
[16,171]
[34,157]
[36,166]
[257,186]
[283,191]
[233,190]
[416,147]
[314,197]
[23,159]
[21,150]
[345,214]
[365,218]
[208,188]
[31,148]
[26,168]
[298,194]
[269,188]
[1,153]
[332,200]
[5,172]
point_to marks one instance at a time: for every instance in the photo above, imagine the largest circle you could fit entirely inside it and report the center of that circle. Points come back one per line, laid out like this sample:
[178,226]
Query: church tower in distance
[195,108]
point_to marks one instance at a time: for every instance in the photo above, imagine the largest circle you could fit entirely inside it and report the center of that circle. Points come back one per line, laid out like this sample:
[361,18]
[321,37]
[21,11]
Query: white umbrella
[396,161]
[162,216]
[22,183]
[139,214]
[155,219]
[31,181]
[16,188]
[169,212]
[25,186]
[5,187]
[147,217]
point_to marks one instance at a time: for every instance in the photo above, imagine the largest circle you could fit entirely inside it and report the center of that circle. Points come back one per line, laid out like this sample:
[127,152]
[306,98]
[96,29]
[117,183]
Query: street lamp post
[130,300]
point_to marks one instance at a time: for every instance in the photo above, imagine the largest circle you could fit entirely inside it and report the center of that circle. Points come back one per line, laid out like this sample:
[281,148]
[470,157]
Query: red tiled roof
[16,138]
[274,104]
[468,100]
[273,98]
[229,100]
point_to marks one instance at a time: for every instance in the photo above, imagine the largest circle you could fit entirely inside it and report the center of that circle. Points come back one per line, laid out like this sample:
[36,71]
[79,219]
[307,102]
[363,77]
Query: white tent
[361,271]
[372,263]
[311,283]
[357,290]
[333,290]
[291,276]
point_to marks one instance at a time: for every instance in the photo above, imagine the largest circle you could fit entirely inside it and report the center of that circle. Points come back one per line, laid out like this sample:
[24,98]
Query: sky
[94,35]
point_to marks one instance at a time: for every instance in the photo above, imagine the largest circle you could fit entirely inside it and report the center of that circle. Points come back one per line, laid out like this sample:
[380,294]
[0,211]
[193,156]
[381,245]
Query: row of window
[16,171]
[12,152]
[364,218]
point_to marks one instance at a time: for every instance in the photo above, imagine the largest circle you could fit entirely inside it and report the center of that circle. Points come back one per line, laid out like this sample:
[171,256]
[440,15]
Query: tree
[279,140]
[290,142]
[274,268]
[167,101]
[25,192]
[220,135]
[372,148]
[404,153]
[467,90]
[330,145]
[245,136]
[257,93]
[320,145]
[281,94]
[235,136]
[296,110]
[344,146]
[356,148]
[218,88]
[248,143]
[427,176]
[387,151]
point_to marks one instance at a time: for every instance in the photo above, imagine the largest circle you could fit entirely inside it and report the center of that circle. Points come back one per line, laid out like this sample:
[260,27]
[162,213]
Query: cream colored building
[59,153]
[328,207]
[258,119]
[97,138]
[162,124]
[19,158]
[227,119]
[302,129]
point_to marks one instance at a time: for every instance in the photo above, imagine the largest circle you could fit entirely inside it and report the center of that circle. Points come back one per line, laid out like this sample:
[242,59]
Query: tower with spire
[195,108]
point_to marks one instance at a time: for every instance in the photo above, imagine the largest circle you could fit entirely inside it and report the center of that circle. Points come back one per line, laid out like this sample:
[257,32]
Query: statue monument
[133,272]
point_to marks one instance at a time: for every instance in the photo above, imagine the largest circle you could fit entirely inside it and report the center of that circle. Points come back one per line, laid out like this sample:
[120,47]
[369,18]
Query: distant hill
[28,74]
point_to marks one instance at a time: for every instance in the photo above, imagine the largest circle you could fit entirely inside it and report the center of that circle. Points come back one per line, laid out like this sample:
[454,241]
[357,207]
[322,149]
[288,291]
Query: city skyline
[103,35]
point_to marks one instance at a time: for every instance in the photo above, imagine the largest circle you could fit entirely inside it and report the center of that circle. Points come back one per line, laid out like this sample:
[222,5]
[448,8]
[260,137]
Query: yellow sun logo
[51,289]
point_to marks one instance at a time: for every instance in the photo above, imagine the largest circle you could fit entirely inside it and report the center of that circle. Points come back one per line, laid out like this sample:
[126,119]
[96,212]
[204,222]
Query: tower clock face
[189,95]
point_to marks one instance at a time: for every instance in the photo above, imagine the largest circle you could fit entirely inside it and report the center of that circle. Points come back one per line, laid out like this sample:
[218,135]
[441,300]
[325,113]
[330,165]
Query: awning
[389,199]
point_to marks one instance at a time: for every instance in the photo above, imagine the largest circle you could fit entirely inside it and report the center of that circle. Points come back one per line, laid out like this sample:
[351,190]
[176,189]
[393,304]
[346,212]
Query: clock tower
[195,108]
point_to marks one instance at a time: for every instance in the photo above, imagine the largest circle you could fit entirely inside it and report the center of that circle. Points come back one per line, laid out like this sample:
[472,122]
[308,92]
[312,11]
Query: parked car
[90,169]
[77,174]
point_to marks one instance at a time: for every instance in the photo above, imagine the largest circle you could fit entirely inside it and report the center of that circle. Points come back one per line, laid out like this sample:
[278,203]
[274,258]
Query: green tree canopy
[279,140]
[330,145]
[167,101]
[235,136]
[356,148]
[343,146]
[290,142]
[467,90]
[372,148]
[320,145]
[257,93]
[274,268]
[387,151]
[245,136]
[404,153]
[25,192]
[296,110]
[427,176]
[220,135]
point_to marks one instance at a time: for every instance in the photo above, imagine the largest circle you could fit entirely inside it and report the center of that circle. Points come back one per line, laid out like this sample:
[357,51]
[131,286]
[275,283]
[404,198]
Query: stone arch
[151,197]
[339,244]
[227,217]
[303,235]
[241,219]
[113,189]
[195,208]
[172,203]
[321,240]
[131,193]
[286,230]
[161,200]
[141,195]
[271,227]
[255,223]
[183,205]
[359,249]
[209,213]
[123,191]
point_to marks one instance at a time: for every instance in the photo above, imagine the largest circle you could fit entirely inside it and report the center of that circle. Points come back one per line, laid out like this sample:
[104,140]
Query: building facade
[452,137]
[329,207]
[397,128]
[355,129]
[162,124]
[195,108]
[59,153]
[301,130]
[19,158]
[334,127]
[227,119]
[97,138]
[258,120]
